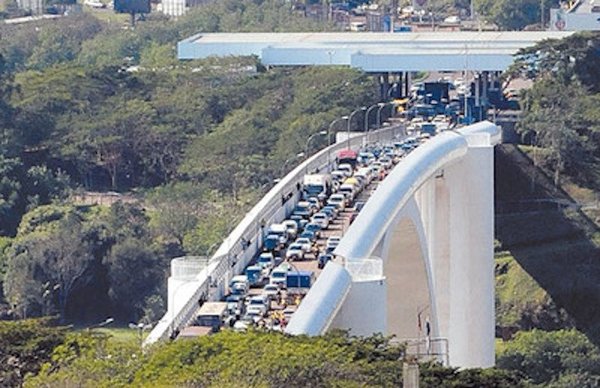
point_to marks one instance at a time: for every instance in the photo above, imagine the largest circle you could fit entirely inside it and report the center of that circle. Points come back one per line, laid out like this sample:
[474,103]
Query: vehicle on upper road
[279,275]
[346,168]
[272,291]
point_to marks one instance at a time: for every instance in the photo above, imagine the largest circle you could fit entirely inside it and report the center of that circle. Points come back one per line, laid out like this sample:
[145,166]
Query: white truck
[317,185]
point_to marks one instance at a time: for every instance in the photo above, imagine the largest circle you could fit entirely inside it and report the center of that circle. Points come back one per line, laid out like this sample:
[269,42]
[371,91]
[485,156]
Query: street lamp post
[283,166]
[331,125]
[320,133]
[381,106]
[367,118]
[350,121]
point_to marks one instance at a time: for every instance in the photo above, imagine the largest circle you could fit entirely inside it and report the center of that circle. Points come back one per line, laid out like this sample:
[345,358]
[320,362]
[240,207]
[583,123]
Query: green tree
[24,346]
[546,357]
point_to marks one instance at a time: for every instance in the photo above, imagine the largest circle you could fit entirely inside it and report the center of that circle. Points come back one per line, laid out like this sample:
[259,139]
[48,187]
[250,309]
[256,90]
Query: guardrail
[245,241]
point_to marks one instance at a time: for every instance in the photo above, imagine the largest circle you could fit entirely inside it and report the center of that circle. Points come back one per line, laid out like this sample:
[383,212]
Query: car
[338,176]
[349,192]
[337,200]
[321,219]
[271,291]
[329,212]
[295,252]
[266,260]
[332,243]
[452,19]
[309,235]
[279,276]
[386,162]
[314,203]
[346,168]
[291,228]
[333,209]
[259,310]
[304,209]
[252,316]
[305,242]
[235,304]
[243,324]
[324,258]
[299,220]
[315,228]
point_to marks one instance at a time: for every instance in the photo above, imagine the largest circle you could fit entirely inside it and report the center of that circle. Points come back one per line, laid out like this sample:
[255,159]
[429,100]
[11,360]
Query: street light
[320,133]
[367,116]
[140,327]
[298,155]
[107,321]
[381,106]
[331,125]
[350,121]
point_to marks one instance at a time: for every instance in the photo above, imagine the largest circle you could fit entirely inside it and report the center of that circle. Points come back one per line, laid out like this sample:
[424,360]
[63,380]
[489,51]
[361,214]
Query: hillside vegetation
[87,107]
[547,224]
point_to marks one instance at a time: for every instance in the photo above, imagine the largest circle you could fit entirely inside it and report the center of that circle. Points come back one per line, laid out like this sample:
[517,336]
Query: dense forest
[89,107]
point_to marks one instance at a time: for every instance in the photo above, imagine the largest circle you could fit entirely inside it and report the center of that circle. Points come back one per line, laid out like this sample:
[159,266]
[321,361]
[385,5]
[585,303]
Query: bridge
[420,250]
[418,260]
[371,52]
[421,247]
[385,55]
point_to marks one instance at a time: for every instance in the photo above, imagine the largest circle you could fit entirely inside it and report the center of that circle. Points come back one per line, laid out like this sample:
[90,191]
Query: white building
[582,15]
[173,7]
[36,7]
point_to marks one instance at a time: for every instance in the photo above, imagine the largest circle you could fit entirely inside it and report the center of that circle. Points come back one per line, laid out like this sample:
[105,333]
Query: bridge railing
[245,241]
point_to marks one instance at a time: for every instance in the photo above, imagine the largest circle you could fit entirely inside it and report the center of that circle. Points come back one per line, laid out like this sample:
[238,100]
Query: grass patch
[119,334]
[516,291]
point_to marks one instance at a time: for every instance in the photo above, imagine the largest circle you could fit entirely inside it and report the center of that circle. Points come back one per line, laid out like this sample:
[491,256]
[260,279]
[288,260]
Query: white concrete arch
[431,222]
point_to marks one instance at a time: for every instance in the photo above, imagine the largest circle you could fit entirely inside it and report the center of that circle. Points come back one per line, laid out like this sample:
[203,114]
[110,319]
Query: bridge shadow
[551,239]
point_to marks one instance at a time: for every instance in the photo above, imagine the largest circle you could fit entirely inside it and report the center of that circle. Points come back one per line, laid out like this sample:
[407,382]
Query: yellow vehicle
[401,104]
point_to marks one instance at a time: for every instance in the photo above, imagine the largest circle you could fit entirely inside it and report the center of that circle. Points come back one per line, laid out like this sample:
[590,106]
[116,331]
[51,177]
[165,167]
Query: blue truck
[300,279]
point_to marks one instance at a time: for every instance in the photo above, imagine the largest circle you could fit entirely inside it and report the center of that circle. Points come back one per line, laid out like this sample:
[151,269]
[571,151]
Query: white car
[452,19]
[258,309]
[337,200]
[271,291]
[266,260]
[346,168]
[292,227]
[258,303]
[305,242]
[321,219]
[295,252]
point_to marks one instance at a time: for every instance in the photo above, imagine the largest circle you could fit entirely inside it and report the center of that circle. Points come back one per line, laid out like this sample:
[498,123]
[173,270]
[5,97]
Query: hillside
[547,253]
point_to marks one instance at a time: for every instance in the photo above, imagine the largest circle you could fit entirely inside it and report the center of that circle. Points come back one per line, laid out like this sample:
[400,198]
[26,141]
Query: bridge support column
[471,276]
